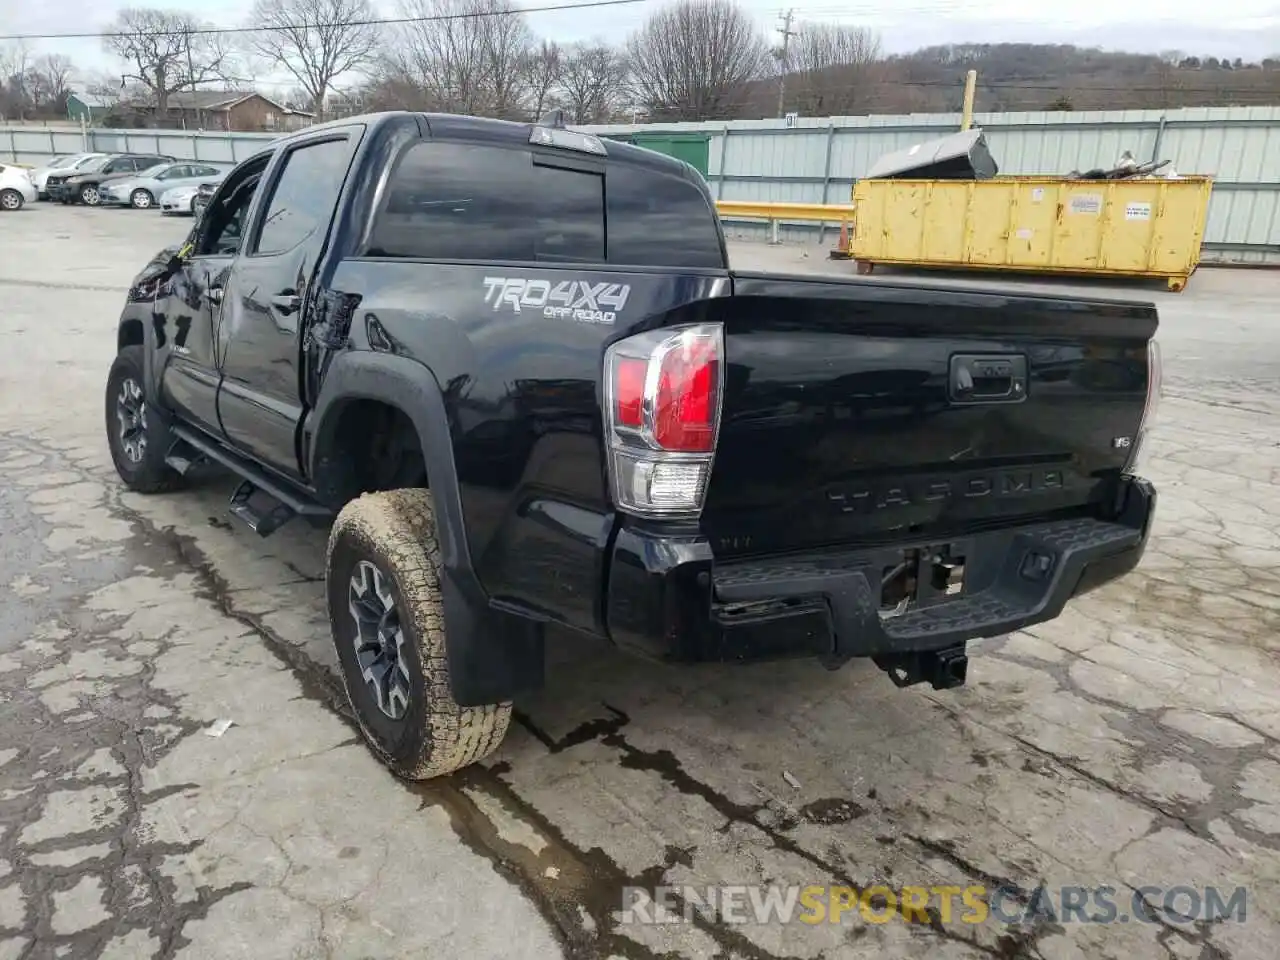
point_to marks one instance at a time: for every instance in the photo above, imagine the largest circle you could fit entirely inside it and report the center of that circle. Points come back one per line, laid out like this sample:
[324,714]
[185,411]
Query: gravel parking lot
[1133,744]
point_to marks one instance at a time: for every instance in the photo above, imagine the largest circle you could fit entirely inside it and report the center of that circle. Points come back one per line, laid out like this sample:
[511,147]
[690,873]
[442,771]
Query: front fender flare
[493,653]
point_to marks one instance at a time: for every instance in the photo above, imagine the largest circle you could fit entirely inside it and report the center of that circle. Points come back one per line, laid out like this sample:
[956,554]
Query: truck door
[259,401]
[186,333]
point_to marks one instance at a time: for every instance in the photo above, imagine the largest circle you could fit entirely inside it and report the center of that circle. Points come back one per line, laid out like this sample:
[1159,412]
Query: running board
[263,518]
[262,503]
[183,457]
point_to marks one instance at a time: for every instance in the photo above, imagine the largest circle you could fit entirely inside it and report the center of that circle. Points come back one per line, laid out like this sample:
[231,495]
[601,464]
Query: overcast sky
[1251,28]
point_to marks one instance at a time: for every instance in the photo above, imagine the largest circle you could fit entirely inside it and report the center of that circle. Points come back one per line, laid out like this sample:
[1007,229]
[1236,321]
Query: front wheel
[142,199]
[138,442]
[387,620]
[11,200]
[89,195]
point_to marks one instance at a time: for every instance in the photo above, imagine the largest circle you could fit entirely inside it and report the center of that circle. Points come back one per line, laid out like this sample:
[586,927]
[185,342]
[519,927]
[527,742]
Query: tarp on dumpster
[958,156]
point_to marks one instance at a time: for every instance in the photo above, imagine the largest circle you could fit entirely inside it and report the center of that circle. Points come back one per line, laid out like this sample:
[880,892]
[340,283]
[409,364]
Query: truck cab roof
[449,126]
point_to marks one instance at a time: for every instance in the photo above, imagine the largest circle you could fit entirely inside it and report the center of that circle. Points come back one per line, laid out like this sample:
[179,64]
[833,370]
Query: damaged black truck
[510,367]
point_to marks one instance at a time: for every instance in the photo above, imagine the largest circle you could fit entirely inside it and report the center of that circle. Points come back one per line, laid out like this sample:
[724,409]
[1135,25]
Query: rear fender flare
[493,653]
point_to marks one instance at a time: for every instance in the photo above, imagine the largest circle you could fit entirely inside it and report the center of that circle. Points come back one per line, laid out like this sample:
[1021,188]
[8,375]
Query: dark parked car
[203,194]
[512,367]
[81,186]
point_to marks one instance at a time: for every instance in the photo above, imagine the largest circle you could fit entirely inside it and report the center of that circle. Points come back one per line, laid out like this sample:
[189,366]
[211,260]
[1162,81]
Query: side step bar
[276,505]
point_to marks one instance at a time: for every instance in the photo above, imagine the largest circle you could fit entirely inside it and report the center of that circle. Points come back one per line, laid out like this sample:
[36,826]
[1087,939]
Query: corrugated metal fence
[35,144]
[817,160]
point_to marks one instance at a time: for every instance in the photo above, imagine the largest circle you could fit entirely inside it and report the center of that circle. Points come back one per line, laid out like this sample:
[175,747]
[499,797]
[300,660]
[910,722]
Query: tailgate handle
[992,378]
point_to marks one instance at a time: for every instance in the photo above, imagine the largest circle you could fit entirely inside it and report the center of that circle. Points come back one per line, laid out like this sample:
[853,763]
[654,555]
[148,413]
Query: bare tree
[465,58]
[833,67]
[50,81]
[15,68]
[314,40]
[593,82]
[164,52]
[507,40]
[692,59]
[542,69]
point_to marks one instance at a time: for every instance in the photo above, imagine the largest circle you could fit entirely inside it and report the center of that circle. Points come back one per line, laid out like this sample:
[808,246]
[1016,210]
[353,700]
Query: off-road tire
[151,474]
[396,532]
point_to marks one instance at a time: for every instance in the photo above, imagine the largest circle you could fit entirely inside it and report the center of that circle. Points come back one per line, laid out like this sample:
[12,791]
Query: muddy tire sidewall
[151,474]
[395,531]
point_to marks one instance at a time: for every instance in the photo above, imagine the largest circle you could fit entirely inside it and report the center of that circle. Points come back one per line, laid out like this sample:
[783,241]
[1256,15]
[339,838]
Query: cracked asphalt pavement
[1134,742]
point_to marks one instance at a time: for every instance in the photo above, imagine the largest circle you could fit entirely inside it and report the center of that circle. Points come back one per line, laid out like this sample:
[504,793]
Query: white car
[16,187]
[180,201]
[74,161]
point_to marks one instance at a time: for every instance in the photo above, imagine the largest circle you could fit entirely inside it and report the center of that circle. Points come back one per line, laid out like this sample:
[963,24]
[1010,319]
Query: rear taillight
[1155,387]
[663,392]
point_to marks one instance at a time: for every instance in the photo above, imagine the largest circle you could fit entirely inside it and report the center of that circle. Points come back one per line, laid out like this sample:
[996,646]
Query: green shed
[87,108]
[692,148]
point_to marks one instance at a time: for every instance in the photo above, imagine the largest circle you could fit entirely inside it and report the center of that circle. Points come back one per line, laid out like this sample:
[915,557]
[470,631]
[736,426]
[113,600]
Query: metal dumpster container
[1131,228]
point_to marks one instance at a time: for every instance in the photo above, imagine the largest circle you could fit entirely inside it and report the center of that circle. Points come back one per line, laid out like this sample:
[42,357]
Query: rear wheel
[11,200]
[138,442]
[142,199]
[387,621]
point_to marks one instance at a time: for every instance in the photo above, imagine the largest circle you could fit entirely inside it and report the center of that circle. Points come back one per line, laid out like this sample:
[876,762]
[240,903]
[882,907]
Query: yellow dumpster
[1130,228]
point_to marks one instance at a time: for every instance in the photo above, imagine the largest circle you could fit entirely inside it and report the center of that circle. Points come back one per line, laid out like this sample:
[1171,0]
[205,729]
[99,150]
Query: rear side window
[304,195]
[457,201]
[658,220]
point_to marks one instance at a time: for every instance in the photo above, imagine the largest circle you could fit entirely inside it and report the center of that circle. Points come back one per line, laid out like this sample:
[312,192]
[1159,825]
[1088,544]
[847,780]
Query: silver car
[144,189]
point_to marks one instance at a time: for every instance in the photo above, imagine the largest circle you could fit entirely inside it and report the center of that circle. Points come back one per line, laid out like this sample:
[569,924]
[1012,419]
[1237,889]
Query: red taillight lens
[629,391]
[662,416]
[685,410]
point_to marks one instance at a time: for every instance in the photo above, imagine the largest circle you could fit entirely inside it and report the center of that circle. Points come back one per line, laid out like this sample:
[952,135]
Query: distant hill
[1022,76]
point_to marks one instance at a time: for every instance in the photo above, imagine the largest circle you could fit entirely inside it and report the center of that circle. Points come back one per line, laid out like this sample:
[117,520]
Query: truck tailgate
[858,411]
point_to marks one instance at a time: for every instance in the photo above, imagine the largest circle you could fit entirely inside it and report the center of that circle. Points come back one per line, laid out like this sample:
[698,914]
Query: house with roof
[87,108]
[228,110]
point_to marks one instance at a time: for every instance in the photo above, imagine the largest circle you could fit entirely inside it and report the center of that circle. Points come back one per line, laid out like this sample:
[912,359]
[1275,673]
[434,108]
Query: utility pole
[784,57]
[970,85]
[191,79]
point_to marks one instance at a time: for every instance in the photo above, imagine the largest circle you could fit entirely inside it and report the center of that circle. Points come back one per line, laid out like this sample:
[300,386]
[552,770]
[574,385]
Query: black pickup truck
[511,369]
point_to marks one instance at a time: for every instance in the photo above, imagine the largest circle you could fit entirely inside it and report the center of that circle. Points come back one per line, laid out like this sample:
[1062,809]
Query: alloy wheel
[90,196]
[141,199]
[379,639]
[10,200]
[131,413]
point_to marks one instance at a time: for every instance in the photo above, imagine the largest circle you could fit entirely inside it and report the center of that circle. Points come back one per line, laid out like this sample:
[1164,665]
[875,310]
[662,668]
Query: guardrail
[779,212]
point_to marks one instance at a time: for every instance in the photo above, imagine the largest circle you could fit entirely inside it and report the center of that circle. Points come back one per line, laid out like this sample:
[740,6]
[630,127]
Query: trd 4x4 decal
[581,300]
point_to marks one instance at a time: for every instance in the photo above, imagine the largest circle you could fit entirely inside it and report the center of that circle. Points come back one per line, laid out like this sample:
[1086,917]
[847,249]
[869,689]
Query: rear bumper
[669,599]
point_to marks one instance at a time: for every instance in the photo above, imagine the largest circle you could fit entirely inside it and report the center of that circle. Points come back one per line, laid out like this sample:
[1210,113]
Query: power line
[319,25]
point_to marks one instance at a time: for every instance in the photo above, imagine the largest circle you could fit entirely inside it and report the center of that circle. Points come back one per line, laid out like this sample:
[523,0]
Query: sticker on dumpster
[1086,203]
[1037,194]
[1137,211]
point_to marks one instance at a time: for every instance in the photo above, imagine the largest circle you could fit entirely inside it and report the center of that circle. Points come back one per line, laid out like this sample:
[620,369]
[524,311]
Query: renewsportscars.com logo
[579,300]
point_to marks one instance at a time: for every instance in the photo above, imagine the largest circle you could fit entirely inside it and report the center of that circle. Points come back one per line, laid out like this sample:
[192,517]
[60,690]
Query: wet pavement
[1133,744]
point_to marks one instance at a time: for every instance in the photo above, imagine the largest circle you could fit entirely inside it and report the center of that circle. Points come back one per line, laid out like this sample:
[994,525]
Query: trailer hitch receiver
[942,669]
